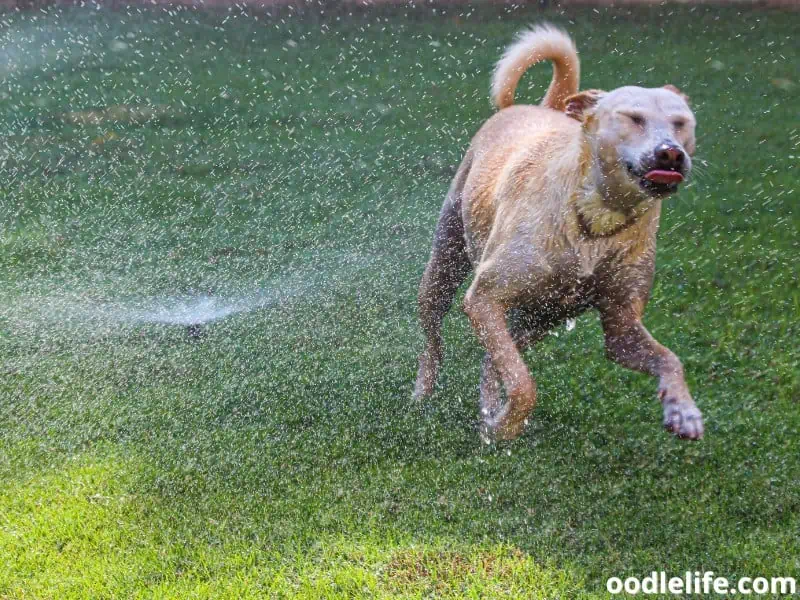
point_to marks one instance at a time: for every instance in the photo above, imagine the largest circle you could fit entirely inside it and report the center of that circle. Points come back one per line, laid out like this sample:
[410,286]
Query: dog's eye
[678,125]
[637,120]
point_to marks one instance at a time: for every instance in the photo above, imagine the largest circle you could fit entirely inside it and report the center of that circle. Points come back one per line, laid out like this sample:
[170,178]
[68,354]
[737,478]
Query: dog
[555,208]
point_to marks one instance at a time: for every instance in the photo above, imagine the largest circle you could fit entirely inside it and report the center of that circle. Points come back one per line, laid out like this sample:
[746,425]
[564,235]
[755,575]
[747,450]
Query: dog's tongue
[659,176]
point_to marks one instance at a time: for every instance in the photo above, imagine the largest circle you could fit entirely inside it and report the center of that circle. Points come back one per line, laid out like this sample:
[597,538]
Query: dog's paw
[683,419]
[421,391]
[486,432]
[501,428]
[424,385]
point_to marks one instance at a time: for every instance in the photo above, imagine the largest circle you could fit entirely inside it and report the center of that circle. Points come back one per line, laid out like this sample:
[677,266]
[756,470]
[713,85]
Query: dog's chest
[572,281]
[568,290]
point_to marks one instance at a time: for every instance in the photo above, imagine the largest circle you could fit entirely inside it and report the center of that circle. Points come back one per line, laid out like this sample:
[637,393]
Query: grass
[152,153]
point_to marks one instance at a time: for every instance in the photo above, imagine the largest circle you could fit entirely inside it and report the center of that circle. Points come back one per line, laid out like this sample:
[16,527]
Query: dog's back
[518,154]
[522,145]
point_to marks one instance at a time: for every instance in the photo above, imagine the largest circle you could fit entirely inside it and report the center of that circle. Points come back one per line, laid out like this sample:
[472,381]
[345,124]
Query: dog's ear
[578,105]
[675,90]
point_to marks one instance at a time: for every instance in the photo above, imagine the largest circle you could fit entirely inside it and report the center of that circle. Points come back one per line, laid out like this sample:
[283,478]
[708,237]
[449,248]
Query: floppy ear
[675,90]
[578,105]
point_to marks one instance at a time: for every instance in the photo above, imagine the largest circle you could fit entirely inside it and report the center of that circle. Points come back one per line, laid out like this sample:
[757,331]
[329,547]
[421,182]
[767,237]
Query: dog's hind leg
[447,268]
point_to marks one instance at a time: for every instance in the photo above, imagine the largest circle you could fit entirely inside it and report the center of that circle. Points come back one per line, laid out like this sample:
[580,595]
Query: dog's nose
[669,156]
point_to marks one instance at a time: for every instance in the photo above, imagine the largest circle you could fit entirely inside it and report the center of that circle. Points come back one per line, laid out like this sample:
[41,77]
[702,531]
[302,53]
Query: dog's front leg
[630,344]
[487,316]
[524,333]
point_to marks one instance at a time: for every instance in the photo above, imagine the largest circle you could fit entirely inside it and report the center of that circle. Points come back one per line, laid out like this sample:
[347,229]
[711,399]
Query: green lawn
[299,162]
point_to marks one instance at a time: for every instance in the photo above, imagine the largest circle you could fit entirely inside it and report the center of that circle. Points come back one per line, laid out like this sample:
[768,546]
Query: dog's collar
[588,231]
[596,219]
[598,233]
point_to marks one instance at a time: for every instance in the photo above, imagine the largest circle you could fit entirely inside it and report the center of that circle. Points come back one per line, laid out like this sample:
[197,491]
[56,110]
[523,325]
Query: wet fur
[549,211]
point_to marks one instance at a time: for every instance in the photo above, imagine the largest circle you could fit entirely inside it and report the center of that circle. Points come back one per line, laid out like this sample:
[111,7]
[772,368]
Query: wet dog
[555,208]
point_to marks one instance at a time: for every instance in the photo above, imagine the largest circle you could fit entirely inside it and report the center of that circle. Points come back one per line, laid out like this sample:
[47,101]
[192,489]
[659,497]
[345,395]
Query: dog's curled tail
[543,42]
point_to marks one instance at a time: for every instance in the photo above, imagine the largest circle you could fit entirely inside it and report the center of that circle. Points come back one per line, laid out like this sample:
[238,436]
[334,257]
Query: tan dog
[556,209]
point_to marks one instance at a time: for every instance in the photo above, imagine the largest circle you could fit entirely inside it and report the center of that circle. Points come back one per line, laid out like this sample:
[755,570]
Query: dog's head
[642,138]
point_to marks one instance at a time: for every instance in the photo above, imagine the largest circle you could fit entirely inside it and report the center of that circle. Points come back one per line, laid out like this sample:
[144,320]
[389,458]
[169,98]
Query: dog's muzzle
[663,171]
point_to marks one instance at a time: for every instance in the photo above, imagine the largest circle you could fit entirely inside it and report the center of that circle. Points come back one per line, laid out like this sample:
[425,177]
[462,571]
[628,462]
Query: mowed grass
[149,153]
